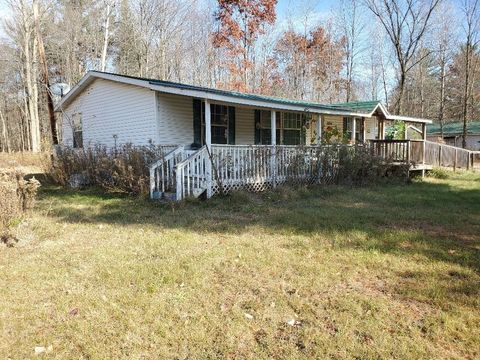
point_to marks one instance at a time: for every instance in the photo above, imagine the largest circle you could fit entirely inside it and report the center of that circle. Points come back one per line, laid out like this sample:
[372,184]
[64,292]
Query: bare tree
[443,45]
[351,25]
[22,31]
[471,12]
[405,22]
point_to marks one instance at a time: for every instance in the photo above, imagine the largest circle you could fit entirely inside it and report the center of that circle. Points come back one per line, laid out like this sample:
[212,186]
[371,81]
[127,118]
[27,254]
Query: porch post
[208,143]
[354,130]
[424,137]
[364,131]
[382,129]
[273,162]
[319,129]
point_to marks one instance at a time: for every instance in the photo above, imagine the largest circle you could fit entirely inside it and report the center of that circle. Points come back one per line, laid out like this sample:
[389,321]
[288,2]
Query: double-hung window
[219,122]
[77,129]
[290,128]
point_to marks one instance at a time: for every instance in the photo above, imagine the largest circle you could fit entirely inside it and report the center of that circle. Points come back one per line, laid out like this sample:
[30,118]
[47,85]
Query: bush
[17,196]
[438,173]
[124,169]
[354,165]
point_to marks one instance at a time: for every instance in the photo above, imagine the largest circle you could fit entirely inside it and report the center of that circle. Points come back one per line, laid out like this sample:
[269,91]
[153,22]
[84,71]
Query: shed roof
[455,128]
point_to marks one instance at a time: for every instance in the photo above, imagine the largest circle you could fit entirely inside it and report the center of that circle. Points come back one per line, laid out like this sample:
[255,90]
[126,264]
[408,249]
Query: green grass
[381,272]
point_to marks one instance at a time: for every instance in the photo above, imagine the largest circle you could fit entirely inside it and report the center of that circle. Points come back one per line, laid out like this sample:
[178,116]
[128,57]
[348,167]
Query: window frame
[77,131]
[215,115]
[284,120]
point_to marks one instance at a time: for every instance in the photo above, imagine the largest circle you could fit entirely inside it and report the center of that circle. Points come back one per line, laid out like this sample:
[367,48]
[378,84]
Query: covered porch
[281,145]
[234,124]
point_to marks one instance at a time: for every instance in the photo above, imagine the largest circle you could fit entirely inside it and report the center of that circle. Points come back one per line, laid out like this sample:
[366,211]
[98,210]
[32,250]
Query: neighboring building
[453,134]
[111,109]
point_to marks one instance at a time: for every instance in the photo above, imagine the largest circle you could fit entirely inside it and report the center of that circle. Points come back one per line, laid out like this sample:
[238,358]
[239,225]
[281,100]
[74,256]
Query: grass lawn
[332,272]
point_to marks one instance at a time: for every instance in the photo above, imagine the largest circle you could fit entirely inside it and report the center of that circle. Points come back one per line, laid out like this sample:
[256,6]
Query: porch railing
[257,167]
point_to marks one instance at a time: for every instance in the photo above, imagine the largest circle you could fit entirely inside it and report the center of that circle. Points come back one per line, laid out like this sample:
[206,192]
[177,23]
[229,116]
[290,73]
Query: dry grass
[26,162]
[385,272]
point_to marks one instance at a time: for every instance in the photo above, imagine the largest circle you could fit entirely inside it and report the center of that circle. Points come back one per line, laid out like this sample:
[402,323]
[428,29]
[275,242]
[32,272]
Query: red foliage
[240,24]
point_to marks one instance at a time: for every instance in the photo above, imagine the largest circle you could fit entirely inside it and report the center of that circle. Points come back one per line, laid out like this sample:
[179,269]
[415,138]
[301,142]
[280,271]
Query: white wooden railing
[162,172]
[191,174]
[259,166]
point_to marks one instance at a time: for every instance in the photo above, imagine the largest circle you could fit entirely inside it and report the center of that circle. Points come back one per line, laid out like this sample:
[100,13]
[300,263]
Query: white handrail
[162,171]
[191,174]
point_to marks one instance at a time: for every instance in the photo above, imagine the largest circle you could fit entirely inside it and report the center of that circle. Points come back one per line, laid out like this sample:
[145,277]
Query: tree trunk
[105,38]
[46,80]
[5,142]
[401,89]
[442,95]
[465,95]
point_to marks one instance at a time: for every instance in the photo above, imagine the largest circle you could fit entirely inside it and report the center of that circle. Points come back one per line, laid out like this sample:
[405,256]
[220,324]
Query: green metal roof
[236,94]
[456,128]
[361,106]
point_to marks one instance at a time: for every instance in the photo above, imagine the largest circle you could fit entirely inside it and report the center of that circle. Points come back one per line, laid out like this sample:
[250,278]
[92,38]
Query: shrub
[124,169]
[358,166]
[17,196]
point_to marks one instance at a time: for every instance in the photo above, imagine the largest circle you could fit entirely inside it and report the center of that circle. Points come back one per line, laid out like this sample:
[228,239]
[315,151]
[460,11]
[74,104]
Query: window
[77,130]
[219,124]
[348,128]
[290,128]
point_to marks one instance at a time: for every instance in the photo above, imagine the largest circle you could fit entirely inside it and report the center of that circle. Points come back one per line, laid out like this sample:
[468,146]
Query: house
[453,134]
[200,124]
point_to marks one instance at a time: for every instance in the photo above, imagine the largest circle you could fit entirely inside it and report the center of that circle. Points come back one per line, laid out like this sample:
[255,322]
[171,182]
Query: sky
[287,10]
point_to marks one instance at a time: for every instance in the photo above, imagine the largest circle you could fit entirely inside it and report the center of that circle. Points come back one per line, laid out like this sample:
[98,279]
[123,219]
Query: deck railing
[395,150]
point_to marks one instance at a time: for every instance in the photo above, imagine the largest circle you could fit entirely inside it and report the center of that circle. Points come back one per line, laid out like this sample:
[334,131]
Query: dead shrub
[124,169]
[17,196]
[357,166]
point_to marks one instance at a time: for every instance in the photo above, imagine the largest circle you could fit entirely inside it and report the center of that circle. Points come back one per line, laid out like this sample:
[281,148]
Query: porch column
[273,161]
[381,128]
[354,130]
[208,143]
[319,129]
[424,137]
[364,131]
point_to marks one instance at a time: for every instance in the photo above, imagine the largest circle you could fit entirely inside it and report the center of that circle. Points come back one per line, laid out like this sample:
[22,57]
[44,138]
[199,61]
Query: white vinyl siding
[175,119]
[110,108]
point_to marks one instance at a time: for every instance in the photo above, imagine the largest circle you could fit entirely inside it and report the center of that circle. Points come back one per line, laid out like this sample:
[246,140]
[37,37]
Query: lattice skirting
[263,185]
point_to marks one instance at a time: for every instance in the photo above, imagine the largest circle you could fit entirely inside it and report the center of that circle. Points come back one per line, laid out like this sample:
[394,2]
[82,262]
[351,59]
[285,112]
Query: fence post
[455,161]
[468,160]
[440,147]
